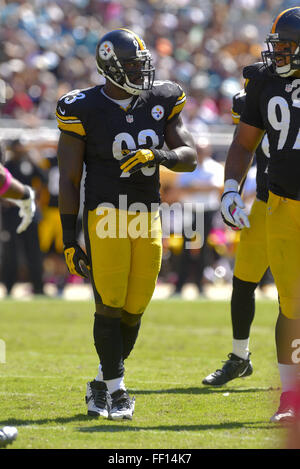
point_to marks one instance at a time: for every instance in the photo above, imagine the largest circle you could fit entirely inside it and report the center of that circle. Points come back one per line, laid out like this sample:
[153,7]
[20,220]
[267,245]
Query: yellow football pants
[283,239]
[251,260]
[125,250]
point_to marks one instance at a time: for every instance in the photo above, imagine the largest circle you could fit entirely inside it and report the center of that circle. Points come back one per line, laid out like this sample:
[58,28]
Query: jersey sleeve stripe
[74,126]
[67,118]
[179,105]
[235,117]
[181,99]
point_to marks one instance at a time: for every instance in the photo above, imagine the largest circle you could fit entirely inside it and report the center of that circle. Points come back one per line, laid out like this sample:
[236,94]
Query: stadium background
[47,49]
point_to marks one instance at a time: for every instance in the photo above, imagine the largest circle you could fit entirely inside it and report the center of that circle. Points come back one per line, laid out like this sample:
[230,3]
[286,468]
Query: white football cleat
[7,436]
[97,399]
[122,406]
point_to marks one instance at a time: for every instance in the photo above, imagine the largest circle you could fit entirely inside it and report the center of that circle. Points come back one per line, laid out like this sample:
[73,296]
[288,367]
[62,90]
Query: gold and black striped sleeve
[181,100]
[70,124]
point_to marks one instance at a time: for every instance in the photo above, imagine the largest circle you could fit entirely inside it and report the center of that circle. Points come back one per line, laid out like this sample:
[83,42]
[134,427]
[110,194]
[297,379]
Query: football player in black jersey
[251,263]
[272,105]
[118,131]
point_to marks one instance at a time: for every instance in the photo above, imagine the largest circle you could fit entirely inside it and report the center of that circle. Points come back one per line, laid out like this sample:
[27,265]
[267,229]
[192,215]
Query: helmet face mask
[283,44]
[123,59]
[284,56]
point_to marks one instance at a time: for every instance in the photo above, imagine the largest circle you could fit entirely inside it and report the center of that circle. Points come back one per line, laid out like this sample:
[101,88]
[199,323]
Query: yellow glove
[137,159]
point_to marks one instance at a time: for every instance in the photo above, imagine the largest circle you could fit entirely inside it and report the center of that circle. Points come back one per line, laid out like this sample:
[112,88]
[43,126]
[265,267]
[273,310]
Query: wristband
[231,185]
[68,223]
[167,158]
[7,182]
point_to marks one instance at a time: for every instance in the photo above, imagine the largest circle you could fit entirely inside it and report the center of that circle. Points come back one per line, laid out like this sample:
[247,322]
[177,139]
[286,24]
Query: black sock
[109,345]
[129,334]
[242,307]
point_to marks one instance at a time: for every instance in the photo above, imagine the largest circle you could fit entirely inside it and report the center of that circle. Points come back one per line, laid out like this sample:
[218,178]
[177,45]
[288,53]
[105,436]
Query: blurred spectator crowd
[47,48]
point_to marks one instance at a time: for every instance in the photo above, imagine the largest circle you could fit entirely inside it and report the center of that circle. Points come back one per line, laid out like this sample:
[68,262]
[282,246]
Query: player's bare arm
[179,139]
[10,186]
[238,161]
[19,194]
[70,161]
[241,151]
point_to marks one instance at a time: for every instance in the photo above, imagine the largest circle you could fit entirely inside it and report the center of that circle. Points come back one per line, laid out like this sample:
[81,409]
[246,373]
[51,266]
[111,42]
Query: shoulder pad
[75,99]
[171,95]
[257,70]
[167,88]
[239,97]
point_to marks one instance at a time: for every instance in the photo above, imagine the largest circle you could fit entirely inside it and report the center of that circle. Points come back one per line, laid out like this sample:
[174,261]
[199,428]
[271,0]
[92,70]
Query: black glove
[76,260]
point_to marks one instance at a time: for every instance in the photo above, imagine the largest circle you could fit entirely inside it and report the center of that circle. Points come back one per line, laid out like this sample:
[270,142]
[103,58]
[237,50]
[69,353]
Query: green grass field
[50,356]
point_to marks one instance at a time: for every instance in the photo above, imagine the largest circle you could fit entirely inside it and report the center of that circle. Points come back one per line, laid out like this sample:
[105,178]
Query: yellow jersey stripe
[246,83]
[177,108]
[235,117]
[66,118]
[75,127]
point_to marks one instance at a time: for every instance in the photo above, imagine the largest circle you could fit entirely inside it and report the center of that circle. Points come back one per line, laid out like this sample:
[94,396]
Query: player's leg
[250,265]
[146,253]
[283,235]
[110,258]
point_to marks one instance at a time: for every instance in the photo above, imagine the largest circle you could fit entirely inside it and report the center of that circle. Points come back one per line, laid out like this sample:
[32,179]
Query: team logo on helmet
[106,50]
[157,112]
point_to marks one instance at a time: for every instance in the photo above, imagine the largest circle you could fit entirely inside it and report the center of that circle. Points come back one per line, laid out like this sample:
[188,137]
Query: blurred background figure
[49,227]
[202,189]
[24,246]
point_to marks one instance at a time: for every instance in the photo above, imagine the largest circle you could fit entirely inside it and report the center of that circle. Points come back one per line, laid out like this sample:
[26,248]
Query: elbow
[192,164]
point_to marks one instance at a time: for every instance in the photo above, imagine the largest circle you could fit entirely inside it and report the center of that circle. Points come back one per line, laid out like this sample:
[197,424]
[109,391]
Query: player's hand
[232,206]
[27,209]
[231,225]
[76,260]
[136,160]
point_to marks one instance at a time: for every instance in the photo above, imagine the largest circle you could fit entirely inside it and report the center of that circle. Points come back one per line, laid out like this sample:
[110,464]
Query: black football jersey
[273,104]
[110,130]
[262,152]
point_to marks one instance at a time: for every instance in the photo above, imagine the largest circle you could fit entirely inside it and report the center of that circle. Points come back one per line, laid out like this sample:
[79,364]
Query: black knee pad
[131,319]
[245,288]
[108,311]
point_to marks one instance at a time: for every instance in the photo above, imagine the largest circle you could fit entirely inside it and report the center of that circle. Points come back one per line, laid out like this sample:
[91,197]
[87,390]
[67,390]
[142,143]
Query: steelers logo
[106,50]
[157,112]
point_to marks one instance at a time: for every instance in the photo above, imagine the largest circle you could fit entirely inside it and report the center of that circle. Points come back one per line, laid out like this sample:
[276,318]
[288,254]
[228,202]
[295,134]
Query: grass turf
[50,356]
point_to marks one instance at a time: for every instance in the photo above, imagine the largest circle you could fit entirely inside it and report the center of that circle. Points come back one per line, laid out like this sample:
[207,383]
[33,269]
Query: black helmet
[285,28]
[123,59]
